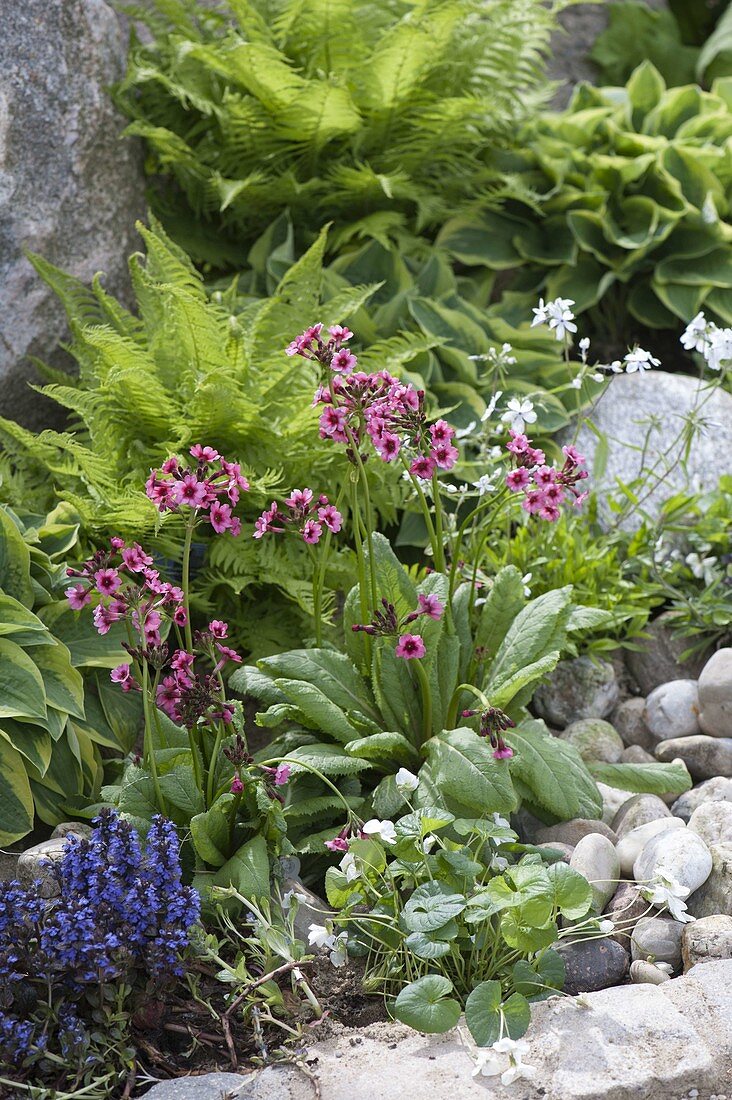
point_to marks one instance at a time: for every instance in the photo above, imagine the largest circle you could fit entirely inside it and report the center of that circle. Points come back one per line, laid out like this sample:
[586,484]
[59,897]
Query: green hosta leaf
[425,1005]
[466,773]
[16,620]
[77,631]
[382,747]
[572,892]
[554,772]
[63,683]
[30,740]
[211,831]
[16,797]
[321,713]
[431,906]
[15,577]
[22,694]
[328,759]
[643,778]
[483,1013]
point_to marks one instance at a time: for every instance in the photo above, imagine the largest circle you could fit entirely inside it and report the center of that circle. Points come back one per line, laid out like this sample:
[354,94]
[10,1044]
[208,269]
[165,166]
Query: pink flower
[312,531]
[430,605]
[333,423]
[204,454]
[236,785]
[159,492]
[387,446]
[282,774]
[331,518]
[518,443]
[338,843]
[220,517]
[549,512]
[445,455]
[167,695]
[340,333]
[534,457]
[228,654]
[107,581]
[218,628]
[544,476]
[581,498]
[119,674]
[171,465]
[180,618]
[410,646]
[573,454]
[518,479]
[423,467]
[190,491]
[441,432]
[534,501]
[116,542]
[343,361]
[299,499]
[266,522]
[503,752]
[135,558]
[78,596]
[103,619]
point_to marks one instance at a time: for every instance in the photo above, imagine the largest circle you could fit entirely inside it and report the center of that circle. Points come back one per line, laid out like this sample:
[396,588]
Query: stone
[704,997]
[578,688]
[715,695]
[634,754]
[32,865]
[595,858]
[628,719]
[678,853]
[593,964]
[713,822]
[72,828]
[625,909]
[633,842]
[206,1086]
[707,940]
[658,659]
[571,832]
[638,810]
[594,739]
[715,894]
[672,710]
[717,789]
[650,407]
[613,800]
[565,849]
[70,188]
[642,971]
[705,757]
[657,939]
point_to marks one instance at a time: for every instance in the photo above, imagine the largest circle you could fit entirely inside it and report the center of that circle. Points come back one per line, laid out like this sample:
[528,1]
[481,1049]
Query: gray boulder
[637,811]
[717,789]
[658,658]
[705,757]
[715,695]
[594,739]
[628,719]
[672,710]
[578,688]
[707,940]
[70,188]
[715,894]
[657,939]
[649,408]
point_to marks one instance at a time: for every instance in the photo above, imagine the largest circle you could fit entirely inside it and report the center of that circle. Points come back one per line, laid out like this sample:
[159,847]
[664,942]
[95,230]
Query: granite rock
[578,688]
[715,695]
[705,757]
[707,940]
[717,789]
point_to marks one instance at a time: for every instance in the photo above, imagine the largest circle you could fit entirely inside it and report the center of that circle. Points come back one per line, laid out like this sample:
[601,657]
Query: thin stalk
[186,566]
[424,685]
[148,747]
[455,699]
[439,532]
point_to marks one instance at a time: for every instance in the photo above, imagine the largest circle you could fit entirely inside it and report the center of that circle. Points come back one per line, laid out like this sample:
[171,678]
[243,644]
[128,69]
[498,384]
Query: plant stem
[148,751]
[426,699]
[439,535]
[186,565]
[455,699]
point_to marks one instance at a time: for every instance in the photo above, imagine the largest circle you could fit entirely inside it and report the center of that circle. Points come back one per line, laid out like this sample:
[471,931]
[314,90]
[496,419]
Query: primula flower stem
[209,793]
[424,506]
[439,548]
[454,701]
[148,744]
[185,580]
[424,685]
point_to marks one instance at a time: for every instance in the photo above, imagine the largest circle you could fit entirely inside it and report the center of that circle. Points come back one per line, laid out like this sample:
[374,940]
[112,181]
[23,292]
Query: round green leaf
[483,1013]
[431,906]
[572,891]
[424,947]
[425,1006]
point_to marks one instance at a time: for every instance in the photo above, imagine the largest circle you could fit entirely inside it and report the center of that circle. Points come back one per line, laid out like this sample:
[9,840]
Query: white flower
[540,314]
[491,406]
[664,891]
[616,366]
[584,347]
[428,843]
[639,360]
[515,1049]
[703,568]
[287,898]
[526,578]
[719,350]
[463,433]
[319,936]
[349,867]
[561,318]
[501,822]
[484,485]
[519,413]
[695,336]
[384,830]
[406,780]
[339,953]
[488,1064]
[499,864]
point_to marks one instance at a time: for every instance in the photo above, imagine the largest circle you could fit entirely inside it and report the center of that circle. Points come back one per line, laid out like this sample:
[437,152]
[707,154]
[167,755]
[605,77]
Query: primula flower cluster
[377,406]
[212,486]
[118,913]
[305,514]
[188,696]
[493,724]
[545,488]
[386,623]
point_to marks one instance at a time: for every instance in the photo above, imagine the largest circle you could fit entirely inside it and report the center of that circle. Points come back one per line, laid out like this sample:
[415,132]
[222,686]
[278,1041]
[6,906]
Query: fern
[329,109]
[192,366]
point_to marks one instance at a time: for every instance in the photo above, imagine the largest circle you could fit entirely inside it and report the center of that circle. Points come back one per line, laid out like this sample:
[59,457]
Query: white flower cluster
[323,937]
[504,1057]
[559,317]
[712,342]
[665,892]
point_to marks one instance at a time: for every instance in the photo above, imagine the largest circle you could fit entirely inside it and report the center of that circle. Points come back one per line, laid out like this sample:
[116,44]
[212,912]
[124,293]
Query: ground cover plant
[633,222]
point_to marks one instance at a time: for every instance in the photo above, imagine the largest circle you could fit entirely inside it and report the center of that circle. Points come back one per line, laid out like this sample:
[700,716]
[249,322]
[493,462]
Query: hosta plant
[631,217]
[55,727]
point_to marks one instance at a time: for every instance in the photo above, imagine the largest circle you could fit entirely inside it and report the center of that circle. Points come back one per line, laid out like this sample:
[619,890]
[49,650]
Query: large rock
[594,739]
[632,843]
[658,658]
[579,688]
[571,832]
[678,854]
[705,757]
[657,939]
[593,964]
[713,822]
[650,407]
[639,810]
[70,189]
[596,859]
[715,695]
[206,1086]
[672,710]
[628,719]
[715,894]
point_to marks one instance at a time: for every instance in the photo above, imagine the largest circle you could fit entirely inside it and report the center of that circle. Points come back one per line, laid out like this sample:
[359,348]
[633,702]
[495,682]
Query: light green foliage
[380,118]
[194,367]
[54,725]
[635,210]
[683,43]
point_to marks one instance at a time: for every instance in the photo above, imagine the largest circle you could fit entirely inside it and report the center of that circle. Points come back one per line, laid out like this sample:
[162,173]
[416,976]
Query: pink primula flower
[410,646]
